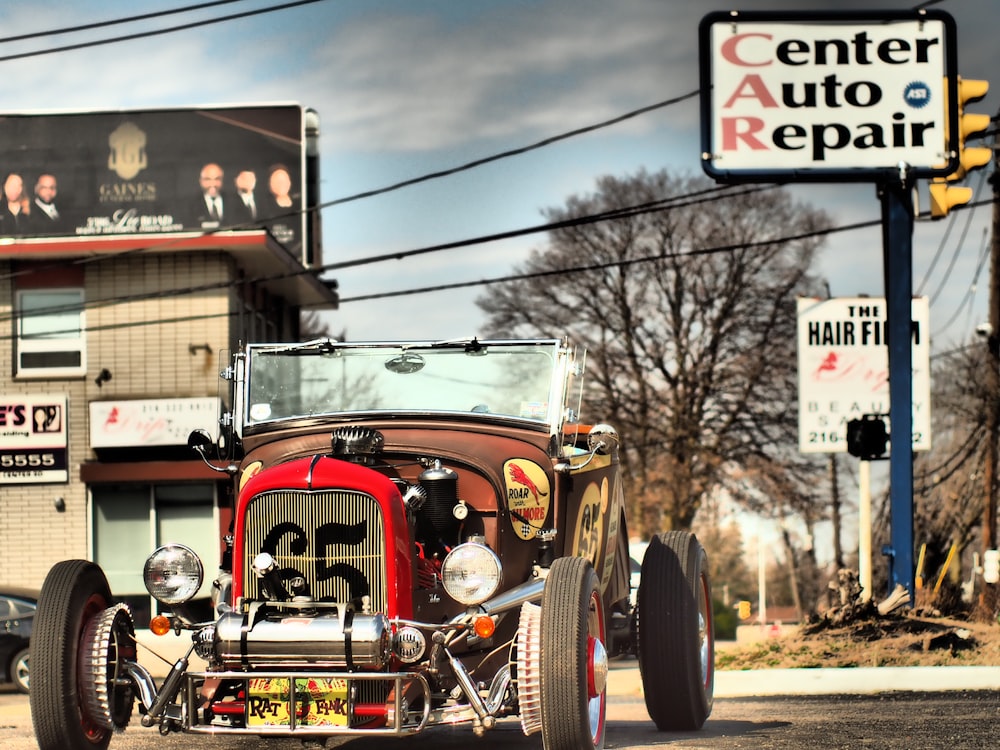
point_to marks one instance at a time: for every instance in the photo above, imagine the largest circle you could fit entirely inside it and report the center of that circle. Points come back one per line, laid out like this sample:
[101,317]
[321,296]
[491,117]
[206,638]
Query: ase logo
[917,94]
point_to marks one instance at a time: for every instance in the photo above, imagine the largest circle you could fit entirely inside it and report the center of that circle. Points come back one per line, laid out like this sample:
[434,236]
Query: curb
[854,680]
[624,681]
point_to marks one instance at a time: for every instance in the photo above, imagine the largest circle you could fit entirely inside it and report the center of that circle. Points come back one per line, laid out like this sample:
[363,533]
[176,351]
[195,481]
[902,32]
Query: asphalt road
[957,719]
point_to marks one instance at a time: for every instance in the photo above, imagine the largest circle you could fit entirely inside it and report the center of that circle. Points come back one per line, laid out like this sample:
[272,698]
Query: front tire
[574,662]
[75,593]
[676,632]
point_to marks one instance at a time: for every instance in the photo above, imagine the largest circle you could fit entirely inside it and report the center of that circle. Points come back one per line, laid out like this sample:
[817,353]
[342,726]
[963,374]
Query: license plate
[318,702]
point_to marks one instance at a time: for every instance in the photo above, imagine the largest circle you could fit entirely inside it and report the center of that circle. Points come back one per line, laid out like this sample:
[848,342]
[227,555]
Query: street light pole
[988,597]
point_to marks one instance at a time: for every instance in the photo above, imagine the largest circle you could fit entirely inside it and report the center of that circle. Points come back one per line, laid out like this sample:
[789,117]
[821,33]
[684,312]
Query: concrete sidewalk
[624,680]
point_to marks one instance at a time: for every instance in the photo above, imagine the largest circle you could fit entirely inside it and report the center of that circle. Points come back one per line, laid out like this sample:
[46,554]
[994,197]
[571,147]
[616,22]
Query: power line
[971,291]
[937,254]
[114,21]
[681,201]
[944,239]
[157,32]
[961,242]
[614,264]
[609,215]
[617,213]
[515,151]
[405,183]
[620,213]
[658,205]
[483,282]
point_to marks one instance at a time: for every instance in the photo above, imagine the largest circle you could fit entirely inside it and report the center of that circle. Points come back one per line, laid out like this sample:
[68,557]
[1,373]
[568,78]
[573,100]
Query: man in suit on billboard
[45,216]
[213,208]
[245,206]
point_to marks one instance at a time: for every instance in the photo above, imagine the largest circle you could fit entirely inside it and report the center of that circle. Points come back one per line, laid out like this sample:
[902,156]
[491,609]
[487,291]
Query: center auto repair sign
[824,96]
[844,369]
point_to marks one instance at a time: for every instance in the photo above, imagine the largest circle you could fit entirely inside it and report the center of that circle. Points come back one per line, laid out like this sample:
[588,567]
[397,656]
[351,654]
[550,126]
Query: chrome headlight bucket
[173,574]
[471,573]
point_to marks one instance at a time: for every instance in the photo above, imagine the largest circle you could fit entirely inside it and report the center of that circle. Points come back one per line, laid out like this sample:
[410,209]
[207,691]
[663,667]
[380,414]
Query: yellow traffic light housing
[970,90]
[944,197]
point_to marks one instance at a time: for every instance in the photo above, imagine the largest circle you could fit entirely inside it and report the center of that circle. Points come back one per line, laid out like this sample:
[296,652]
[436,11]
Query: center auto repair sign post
[828,97]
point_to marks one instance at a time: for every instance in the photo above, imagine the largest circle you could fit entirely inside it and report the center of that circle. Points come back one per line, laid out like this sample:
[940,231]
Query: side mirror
[200,441]
[603,439]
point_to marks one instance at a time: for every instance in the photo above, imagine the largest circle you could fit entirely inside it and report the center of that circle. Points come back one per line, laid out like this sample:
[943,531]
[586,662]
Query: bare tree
[312,326]
[949,488]
[732,579]
[688,314]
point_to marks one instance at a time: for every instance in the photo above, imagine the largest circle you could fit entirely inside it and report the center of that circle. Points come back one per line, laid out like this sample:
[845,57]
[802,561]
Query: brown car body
[424,534]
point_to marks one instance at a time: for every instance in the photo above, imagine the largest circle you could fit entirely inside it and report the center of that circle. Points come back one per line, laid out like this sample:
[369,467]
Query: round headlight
[471,573]
[409,644]
[172,574]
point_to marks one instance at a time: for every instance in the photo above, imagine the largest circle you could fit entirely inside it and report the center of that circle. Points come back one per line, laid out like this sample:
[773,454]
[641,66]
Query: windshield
[516,380]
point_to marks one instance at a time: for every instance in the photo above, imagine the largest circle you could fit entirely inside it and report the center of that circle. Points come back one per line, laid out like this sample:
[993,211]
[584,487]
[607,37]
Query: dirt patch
[904,640]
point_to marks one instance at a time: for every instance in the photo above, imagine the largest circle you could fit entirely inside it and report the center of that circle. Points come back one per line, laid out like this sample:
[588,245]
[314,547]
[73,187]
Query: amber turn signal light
[484,626]
[160,625]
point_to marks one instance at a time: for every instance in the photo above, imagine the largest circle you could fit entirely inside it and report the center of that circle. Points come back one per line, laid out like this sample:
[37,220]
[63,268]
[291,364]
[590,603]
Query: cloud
[417,82]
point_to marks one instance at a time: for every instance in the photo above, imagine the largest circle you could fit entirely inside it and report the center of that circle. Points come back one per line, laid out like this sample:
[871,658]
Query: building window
[50,333]
[130,521]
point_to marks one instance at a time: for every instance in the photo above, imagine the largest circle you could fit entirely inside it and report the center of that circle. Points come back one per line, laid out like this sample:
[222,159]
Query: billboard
[824,96]
[155,172]
[844,369]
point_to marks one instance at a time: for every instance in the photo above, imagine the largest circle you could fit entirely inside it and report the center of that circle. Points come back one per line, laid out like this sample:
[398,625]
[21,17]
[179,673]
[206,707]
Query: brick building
[114,349]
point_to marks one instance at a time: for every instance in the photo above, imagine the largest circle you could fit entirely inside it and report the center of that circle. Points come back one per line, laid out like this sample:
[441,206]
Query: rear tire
[573,659]
[676,632]
[75,592]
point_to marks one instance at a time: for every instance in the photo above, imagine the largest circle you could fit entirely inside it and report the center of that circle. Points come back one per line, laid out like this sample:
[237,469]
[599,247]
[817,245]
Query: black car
[17,613]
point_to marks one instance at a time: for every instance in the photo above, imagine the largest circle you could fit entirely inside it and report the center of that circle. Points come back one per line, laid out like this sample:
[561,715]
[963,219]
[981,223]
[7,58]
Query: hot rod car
[424,533]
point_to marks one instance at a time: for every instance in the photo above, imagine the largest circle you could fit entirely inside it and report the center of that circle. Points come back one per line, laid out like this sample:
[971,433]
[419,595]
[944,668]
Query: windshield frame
[563,391]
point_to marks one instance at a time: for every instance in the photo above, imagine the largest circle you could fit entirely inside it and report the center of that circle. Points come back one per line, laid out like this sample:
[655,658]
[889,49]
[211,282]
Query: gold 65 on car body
[425,534]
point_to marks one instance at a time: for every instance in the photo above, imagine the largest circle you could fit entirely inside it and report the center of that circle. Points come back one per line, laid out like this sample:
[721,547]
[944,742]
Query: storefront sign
[825,95]
[844,369]
[33,442]
[150,422]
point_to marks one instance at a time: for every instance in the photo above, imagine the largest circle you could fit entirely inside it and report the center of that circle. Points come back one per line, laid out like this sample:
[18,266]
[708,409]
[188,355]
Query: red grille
[334,539]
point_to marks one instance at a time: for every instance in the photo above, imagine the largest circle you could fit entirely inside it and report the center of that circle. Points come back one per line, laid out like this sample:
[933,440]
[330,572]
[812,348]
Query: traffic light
[744,609]
[970,90]
[943,195]
[867,438]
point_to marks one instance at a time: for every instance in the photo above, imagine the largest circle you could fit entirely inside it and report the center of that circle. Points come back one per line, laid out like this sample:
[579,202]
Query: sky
[405,88]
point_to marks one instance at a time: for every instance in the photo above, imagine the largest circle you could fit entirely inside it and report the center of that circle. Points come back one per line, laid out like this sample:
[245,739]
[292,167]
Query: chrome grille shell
[333,538]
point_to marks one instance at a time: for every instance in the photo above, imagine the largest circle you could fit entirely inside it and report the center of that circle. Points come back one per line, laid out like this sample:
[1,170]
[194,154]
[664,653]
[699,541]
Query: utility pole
[988,597]
[838,551]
